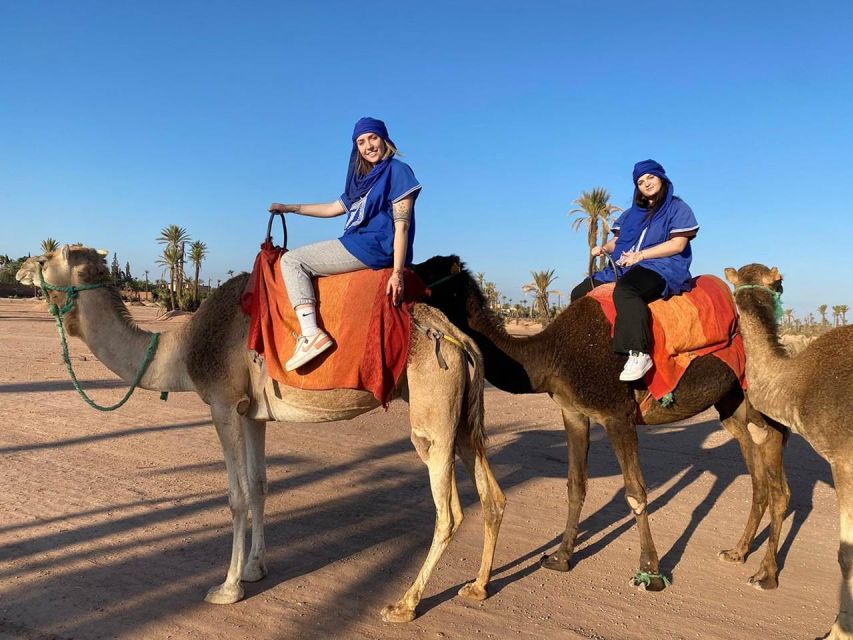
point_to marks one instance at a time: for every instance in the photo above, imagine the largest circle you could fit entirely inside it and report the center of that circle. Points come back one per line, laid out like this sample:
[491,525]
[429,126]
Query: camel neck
[104,324]
[509,361]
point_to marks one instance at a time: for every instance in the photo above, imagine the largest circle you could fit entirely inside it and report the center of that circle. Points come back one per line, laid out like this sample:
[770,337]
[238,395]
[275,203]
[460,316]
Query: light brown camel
[812,393]
[572,361]
[209,356]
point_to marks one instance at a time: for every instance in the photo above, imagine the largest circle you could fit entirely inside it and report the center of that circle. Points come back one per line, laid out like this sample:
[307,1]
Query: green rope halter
[71,293]
[777,298]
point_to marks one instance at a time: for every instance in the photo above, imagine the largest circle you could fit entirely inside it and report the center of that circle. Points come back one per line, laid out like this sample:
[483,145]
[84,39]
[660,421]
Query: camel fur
[572,361]
[208,355]
[811,392]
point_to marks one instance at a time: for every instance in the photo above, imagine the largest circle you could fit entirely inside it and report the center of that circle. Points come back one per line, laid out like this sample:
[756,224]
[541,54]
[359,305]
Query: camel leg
[256,465]
[439,457]
[770,451]
[623,437]
[493,501]
[762,453]
[735,423]
[577,438]
[842,474]
[230,431]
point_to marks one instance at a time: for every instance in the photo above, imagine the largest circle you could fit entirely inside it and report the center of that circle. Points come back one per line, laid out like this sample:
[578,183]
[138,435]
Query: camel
[572,361]
[811,393]
[208,355]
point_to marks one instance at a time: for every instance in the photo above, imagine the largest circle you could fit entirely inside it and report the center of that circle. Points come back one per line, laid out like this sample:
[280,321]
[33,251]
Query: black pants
[634,291]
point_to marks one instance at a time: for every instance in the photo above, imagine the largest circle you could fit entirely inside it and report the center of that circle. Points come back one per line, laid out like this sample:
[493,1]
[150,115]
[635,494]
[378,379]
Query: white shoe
[636,366]
[308,348]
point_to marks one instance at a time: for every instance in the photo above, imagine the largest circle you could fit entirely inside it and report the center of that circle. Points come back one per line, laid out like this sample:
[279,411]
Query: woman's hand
[275,207]
[395,288]
[630,258]
[598,251]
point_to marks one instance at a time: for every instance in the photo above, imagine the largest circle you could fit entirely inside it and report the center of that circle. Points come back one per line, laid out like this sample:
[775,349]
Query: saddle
[371,335]
[700,322]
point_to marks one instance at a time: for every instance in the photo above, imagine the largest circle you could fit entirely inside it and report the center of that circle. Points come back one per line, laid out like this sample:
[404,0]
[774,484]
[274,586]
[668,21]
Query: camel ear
[732,276]
[103,252]
[64,251]
[772,277]
[456,268]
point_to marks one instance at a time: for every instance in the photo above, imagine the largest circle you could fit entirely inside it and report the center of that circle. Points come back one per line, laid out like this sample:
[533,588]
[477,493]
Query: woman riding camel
[379,198]
[652,252]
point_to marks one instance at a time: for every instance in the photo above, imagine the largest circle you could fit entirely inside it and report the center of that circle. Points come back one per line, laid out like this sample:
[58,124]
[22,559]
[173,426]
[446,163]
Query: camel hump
[698,322]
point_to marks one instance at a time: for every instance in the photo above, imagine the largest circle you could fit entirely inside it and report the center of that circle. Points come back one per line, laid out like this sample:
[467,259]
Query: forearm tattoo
[403,210]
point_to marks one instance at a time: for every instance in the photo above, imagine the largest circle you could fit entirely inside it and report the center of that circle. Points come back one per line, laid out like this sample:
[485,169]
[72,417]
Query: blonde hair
[363,167]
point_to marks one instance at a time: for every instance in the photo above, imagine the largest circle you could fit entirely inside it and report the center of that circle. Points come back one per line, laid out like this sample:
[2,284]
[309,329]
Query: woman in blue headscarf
[379,200]
[652,252]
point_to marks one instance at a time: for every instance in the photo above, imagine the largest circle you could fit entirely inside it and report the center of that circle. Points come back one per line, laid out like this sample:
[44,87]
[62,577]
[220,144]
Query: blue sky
[119,118]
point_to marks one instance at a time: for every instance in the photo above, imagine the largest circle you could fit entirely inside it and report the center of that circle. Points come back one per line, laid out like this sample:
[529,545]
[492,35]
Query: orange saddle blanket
[700,322]
[371,335]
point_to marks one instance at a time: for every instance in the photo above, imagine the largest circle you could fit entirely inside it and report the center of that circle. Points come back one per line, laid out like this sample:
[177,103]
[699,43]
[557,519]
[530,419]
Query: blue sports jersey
[369,230]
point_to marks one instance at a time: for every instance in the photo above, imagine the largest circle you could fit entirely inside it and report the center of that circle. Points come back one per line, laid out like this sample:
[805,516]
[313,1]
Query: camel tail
[472,423]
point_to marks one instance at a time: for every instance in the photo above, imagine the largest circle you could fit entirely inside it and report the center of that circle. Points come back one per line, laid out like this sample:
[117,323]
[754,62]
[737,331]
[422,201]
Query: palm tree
[789,317]
[595,209]
[174,238]
[480,279]
[542,281]
[49,245]
[198,252]
[836,315]
[230,273]
[169,259]
[842,310]
[822,311]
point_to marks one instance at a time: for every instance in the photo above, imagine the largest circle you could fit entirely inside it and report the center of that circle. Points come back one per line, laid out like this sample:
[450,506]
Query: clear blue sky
[119,118]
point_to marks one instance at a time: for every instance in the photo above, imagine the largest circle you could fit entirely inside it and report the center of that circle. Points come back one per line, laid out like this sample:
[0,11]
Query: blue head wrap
[356,186]
[649,166]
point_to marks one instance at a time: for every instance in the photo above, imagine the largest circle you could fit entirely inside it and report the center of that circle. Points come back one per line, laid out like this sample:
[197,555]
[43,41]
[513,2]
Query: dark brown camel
[812,393]
[572,361]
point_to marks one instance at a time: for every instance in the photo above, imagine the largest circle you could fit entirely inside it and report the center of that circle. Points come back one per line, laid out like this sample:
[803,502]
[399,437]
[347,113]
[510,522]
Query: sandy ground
[113,525]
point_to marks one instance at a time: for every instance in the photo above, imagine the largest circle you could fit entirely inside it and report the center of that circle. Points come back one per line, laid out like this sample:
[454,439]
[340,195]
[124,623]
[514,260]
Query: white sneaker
[636,366]
[308,348]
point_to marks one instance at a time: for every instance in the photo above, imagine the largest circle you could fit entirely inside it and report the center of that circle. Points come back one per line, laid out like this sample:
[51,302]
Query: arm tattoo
[403,210]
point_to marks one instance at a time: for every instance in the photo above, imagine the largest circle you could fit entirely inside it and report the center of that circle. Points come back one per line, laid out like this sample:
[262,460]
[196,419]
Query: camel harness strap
[437,336]
[71,292]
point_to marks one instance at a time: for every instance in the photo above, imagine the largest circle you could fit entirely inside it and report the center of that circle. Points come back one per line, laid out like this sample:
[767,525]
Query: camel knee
[237,503]
[758,432]
[638,505]
[422,446]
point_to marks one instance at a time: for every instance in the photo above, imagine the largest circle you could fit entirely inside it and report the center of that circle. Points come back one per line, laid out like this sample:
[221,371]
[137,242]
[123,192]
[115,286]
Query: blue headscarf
[656,169]
[356,186]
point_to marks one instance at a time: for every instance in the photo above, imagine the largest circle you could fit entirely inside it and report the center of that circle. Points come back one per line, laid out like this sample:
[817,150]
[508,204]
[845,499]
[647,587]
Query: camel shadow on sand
[392,510]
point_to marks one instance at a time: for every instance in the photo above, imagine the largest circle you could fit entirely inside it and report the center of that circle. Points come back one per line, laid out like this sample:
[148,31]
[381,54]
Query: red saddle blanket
[371,335]
[700,322]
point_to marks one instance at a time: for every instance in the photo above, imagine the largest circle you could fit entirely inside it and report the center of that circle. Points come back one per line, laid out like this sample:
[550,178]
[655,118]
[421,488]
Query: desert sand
[113,525]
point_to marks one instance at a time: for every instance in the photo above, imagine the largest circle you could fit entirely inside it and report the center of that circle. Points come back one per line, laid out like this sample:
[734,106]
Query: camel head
[71,264]
[756,275]
[758,291]
[453,290]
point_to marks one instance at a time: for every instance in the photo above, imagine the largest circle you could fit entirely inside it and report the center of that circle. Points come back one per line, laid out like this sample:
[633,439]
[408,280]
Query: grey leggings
[325,258]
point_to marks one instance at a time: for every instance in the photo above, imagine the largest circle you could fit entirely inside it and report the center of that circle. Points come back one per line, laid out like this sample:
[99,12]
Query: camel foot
[732,555]
[224,594]
[556,562]
[398,612]
[764,581]
[254,572]
[837,633]
[649,581]
[474,591]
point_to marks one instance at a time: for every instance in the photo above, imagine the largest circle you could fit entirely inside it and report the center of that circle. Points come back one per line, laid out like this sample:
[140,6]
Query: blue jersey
[634,233]
[369,230]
